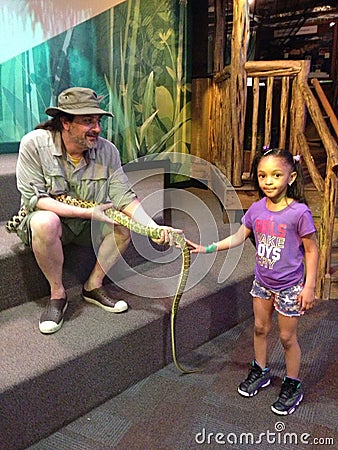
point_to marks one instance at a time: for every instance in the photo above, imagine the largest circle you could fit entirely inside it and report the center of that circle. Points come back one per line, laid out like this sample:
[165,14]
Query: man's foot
[52,318]
[290,396]
[256,379]
[100,298]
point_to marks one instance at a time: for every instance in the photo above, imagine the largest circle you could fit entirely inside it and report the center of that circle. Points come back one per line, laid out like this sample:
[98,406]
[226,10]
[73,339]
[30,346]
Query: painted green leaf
[164,103]
[171,72]
[145,126]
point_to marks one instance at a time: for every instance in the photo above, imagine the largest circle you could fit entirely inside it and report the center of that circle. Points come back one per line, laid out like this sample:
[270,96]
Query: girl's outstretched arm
[307,296]
[231,241]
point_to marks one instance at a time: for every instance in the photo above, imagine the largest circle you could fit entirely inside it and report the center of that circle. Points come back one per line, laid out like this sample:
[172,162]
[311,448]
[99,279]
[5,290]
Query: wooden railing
[226,154]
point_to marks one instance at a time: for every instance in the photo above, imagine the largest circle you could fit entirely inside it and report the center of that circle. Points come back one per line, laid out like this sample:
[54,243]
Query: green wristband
[211,248]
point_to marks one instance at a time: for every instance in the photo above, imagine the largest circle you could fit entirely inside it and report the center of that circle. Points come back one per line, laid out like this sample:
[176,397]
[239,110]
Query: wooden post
[238,91]
[213,130]
[200,112]
[255,95]
[325,234]
[284,104]
[328,140]
[227,136]
[219,36]
[268,111]
[326,104]
[274,68]
[297,114]
[313,171]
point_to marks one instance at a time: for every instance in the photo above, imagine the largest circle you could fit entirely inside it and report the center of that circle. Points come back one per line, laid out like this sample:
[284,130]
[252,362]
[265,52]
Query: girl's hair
[296,190]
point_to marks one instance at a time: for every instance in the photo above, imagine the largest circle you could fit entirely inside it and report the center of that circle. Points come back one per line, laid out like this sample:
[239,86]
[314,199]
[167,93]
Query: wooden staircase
[333,284]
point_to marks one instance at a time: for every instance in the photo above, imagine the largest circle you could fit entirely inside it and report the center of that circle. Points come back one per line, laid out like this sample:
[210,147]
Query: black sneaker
[256,379]
[52,317]
[290,396]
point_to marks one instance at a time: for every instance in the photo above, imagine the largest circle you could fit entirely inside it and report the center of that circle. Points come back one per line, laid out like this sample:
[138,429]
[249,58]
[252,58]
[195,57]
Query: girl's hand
[306,299]
[195,248]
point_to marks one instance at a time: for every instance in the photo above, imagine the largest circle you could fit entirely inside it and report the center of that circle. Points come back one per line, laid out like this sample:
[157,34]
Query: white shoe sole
[49,327]
[120,306]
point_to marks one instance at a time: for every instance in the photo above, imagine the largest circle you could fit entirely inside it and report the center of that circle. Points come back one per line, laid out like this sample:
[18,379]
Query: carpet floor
[170,411]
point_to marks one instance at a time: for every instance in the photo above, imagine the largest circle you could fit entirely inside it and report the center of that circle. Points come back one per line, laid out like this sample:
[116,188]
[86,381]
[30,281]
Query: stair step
[22,281]
[166,410]
[50,381]
[9,195]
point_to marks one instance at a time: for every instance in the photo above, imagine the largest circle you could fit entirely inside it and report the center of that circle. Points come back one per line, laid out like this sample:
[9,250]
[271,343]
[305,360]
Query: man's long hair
[55,124]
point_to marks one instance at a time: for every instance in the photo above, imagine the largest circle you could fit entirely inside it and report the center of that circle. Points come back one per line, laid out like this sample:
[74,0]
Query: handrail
[264,67]
[316,177]
[328,140]
[292,78]
[326,104]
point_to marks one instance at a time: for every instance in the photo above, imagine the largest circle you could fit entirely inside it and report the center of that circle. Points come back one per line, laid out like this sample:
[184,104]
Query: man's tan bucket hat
[77,101]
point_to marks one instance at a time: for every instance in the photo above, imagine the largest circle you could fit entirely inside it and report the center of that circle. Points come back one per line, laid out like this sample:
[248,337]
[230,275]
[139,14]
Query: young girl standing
[284,234]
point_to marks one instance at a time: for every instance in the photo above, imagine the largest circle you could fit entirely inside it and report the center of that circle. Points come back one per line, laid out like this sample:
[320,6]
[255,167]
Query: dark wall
[199,30]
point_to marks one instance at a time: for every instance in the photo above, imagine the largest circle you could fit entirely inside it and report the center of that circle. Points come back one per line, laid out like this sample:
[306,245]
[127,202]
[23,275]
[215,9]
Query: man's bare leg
[112,247]
[47,248]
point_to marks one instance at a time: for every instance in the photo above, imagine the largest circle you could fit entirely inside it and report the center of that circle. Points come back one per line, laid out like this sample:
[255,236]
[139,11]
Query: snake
[151,232]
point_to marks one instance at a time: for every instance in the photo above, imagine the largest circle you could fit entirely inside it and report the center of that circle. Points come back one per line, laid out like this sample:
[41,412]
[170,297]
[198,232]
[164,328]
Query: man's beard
[84,142]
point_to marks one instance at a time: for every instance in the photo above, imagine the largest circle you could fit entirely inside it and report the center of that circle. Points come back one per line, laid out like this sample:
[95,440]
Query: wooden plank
[224,74]
[200,109]
[313,171]
[219,36]
[263,66]
[255,109]
[326,105]
[268,112]
[238,91]
[325,234]
[328,140]
[284,105]
[297,112]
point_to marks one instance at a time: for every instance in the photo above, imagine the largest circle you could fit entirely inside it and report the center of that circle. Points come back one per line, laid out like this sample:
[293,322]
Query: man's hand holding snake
[167,237]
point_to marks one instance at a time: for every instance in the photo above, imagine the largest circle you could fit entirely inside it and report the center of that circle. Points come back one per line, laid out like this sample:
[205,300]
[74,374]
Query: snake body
[153,233]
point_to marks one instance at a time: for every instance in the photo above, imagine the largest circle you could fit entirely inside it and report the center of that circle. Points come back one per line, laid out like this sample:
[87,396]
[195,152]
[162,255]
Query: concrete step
[49,381]
[9,195]
[21,279]
[168,411]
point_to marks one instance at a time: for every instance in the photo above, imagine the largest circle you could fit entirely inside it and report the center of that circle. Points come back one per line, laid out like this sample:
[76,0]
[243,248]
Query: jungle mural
[133,55]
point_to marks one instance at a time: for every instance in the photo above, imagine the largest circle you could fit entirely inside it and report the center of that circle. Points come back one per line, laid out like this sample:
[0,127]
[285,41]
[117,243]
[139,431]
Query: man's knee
[45,224]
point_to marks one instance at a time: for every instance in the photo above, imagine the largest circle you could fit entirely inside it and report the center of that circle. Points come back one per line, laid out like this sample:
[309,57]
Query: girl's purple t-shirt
[278,236]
